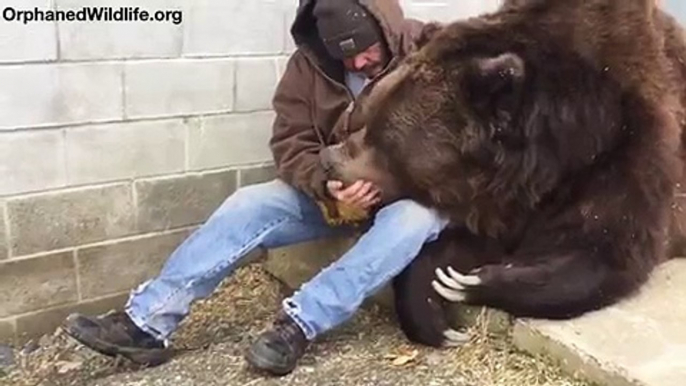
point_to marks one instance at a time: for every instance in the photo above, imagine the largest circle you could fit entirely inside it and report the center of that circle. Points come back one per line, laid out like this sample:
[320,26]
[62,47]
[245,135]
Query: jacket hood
[387,13]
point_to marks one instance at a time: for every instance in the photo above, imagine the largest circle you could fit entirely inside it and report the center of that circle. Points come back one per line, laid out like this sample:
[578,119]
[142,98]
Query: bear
[550,133]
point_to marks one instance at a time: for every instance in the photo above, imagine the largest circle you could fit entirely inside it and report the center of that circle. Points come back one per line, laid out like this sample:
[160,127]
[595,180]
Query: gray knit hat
[345,27]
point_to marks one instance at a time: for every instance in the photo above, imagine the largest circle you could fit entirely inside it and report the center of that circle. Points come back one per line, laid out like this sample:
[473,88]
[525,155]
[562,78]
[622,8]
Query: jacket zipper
[322,73]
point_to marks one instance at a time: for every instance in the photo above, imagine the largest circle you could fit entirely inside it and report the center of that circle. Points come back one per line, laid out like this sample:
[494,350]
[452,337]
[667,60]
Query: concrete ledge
[641,341]
[569,357]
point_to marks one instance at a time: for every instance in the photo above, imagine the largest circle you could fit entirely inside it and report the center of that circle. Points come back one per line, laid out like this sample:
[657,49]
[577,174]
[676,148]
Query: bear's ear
[494,84]
[428,31]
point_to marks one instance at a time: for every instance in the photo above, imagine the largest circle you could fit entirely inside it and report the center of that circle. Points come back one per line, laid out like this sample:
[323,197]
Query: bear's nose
[326,158]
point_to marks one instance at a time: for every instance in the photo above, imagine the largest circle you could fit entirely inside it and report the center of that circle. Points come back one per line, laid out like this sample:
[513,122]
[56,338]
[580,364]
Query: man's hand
[361,194]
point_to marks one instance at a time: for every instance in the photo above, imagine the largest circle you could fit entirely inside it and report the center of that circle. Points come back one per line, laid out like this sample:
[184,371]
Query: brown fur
[550,133]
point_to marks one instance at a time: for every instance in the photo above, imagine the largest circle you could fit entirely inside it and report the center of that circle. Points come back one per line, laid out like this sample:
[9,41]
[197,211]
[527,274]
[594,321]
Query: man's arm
[295,143]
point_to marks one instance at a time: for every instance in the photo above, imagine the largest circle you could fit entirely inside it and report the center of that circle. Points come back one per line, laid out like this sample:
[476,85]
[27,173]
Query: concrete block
[50,221]
[174,202]
[123,265]
[446,10]
[135,39]
[34,325]
[125,150]
[7,331]
[21,42]
[31,161]
[641,341]
[32,284]
[49,94]
[255,83]
[4,246]
[179,87]
[230,140]
[256,175]
[255,27]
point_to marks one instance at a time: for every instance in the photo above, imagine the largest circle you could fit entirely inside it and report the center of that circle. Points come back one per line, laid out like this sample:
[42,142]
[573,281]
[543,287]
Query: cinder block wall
[118,139]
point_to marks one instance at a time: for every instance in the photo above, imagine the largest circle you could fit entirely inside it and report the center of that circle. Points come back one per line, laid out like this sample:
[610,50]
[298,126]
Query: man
[342,44]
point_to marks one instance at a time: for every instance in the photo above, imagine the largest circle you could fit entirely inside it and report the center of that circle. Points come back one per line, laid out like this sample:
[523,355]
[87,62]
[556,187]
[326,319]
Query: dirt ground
[369,350]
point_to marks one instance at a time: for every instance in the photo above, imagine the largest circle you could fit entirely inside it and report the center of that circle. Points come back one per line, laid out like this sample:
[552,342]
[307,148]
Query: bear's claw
[454,338]
[453,286]
[465,280]
[452,295]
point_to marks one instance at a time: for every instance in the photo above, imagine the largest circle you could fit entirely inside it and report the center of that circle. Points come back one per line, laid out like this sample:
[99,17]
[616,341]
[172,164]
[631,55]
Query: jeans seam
[309,332]
[219,266]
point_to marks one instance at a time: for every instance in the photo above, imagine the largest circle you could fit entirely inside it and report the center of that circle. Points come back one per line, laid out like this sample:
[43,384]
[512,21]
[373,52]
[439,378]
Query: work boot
[115,334]
[278,350]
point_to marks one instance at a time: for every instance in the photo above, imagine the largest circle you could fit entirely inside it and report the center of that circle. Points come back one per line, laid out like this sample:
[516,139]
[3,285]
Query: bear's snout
[329,157]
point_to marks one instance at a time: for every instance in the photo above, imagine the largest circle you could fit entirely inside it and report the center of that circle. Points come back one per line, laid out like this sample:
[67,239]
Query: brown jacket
[312,101]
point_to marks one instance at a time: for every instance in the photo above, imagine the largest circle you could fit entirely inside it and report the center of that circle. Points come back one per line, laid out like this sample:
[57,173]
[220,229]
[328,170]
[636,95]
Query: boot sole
[150,357]
[266,366]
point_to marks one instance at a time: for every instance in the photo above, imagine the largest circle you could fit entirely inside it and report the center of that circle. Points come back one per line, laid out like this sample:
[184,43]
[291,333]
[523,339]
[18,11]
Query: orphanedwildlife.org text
[91,14]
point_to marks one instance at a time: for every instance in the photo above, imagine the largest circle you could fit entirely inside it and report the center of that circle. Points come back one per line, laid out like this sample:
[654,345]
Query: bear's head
[493,113]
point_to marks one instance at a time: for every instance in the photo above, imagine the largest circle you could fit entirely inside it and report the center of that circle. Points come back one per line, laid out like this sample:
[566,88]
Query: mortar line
[121,182]
[187,144]
[116,59]
[239,177]
[65,161]
[276,72]
[77,267]
[152,118]
[108,242]
[69,304]
[234,90]
[124,67]
[65,189]
[58,50]
[285,20]
[182,38]
[134,203]
[8,233]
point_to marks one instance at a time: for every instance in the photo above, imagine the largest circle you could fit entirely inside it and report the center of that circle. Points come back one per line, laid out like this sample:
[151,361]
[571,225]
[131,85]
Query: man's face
[370,61]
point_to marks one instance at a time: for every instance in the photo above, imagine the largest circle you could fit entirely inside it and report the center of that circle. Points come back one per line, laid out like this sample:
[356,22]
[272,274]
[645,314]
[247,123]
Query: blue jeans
[272,215]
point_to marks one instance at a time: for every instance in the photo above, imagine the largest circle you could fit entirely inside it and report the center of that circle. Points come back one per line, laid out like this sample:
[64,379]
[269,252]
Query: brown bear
[550,133]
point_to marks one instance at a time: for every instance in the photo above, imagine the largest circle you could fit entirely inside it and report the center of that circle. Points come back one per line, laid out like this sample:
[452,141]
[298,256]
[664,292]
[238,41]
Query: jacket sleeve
[295,141]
